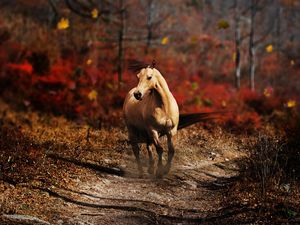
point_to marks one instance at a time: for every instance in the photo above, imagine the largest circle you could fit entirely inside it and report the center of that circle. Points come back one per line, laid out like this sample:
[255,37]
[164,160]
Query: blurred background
[70,57]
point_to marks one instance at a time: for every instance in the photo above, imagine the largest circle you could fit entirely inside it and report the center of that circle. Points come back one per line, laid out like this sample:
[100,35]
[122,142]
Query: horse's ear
[153,64]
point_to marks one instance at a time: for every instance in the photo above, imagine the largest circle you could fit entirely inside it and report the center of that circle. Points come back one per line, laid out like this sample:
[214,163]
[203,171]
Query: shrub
[290,158]
[264,165]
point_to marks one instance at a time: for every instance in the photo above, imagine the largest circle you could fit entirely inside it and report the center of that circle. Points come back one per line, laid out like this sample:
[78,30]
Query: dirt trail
[87,176]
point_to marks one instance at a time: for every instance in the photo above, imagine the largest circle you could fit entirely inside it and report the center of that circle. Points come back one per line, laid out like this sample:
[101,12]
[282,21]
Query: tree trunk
[278,26]
[252,47]
[149,25]
[237,47]
[121,43]
[53,17]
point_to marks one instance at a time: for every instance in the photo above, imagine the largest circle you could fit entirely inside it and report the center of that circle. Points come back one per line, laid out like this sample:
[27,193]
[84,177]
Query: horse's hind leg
[136,151]
[171,152]
[151,160]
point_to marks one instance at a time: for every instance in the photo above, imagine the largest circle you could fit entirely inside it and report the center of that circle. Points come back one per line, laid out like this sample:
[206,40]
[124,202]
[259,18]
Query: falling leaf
[165,40]
[224,103]
[93,95]
[194,39]
[95,13]
[233,57]
[207,102]
[292,62]
[268,91]
[291,103]
[223,24]
[89,62]
[198,101]
[269,48]
[63,24]
[194,86]
[110,85]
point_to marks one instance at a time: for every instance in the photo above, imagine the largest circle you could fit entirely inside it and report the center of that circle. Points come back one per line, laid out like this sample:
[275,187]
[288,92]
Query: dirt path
[86,176]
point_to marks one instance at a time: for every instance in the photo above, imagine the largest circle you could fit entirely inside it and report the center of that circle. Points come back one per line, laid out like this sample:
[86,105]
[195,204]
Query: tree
[112,13]
[237,45]
[150,9]
[253,11]
[121,40]
[255,7]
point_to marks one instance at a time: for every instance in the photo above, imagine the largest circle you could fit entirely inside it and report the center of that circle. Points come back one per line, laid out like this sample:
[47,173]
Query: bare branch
[82,5]
[53,7]
[76,10]
[157,23]
[92,3]
[265,35]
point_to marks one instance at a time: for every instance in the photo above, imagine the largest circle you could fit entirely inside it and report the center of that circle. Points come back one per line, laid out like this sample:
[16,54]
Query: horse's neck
[165,94]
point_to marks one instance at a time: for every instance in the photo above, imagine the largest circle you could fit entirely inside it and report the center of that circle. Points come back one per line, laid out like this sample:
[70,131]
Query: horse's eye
[149,78]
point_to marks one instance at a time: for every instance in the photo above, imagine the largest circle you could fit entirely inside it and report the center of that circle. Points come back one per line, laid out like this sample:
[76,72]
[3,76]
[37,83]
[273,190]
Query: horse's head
[148,80]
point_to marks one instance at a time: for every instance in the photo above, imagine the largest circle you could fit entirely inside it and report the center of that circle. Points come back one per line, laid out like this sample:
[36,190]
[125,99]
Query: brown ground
[64,173]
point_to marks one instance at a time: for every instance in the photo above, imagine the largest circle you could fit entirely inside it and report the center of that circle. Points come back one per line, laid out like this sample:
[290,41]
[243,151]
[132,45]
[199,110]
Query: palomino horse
[151,111]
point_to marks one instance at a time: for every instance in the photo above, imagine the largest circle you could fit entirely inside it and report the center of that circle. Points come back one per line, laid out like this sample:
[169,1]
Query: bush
[264,164]
[290,158]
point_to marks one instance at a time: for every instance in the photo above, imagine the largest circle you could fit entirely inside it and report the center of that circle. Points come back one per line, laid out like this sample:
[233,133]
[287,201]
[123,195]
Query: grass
[265,184]
[261,191]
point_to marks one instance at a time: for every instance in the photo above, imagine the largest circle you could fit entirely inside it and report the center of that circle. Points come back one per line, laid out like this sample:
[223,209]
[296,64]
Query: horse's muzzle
[138,95]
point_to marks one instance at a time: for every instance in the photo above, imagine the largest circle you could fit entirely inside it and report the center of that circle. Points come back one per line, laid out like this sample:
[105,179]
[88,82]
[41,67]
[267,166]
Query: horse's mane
[136,65]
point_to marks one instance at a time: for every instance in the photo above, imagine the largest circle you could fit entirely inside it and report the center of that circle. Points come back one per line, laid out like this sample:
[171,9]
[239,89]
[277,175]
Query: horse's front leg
[171,152]
[136,151]
[151,160]
[159,150]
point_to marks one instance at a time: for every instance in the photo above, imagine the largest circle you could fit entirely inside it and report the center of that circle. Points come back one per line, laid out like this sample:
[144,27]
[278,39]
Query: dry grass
[264,185]
[28,137]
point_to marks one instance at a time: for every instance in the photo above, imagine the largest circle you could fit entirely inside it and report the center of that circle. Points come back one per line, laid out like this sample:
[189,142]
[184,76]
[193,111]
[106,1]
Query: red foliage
[24,68]
[67,86]
[270,65]
[242,121]
[262,104]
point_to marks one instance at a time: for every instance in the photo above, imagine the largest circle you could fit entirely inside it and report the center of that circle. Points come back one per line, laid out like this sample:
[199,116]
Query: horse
[150,112]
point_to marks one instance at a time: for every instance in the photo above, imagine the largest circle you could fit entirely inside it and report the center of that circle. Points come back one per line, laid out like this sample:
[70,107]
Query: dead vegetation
[61,171]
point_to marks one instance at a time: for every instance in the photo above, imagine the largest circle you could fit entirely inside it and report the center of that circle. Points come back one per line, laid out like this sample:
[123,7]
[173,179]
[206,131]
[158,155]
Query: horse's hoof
[141,173]
[166,169]
[151,170]
[159,173]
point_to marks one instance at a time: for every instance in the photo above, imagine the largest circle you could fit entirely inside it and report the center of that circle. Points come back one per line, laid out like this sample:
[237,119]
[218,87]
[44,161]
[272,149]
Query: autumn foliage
[88,93]
[82,83]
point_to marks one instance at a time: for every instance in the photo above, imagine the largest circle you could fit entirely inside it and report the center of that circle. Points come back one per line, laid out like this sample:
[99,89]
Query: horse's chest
[156,118]
[158,114]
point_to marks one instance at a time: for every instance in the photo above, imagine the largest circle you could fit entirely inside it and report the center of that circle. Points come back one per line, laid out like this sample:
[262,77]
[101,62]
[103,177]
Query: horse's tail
[186,120]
